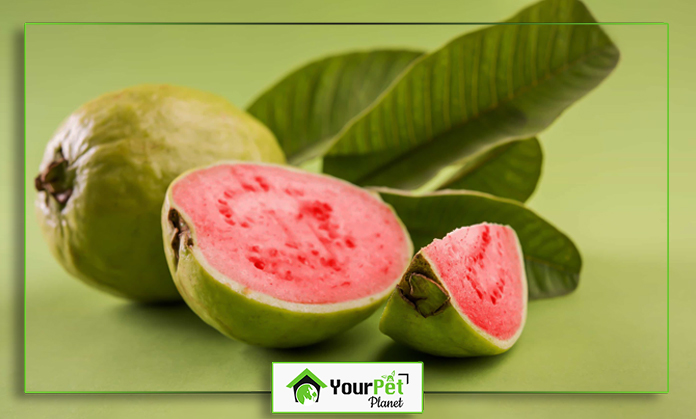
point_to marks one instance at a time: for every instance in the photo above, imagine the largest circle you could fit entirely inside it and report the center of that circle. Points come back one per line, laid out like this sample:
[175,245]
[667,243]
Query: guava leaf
[310,105]
[501,83]
[510,170]
[551,259]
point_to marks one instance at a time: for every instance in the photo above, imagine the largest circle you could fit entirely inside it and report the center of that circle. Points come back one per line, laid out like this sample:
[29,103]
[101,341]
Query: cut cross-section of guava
[463,295]
[279,257]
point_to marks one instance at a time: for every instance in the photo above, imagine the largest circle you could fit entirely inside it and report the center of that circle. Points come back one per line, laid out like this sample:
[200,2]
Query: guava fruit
[104,174]
[279,257]
[463,295]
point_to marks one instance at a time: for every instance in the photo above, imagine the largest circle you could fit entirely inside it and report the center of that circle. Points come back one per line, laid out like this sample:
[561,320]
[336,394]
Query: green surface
[603,178]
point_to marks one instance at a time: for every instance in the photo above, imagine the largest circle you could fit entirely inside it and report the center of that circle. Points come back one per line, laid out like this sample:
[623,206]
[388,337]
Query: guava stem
[424,294]
[181,231]
[56,179]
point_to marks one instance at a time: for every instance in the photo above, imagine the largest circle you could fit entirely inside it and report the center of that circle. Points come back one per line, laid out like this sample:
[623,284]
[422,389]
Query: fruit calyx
[181,234]
[424,294]
[57,179]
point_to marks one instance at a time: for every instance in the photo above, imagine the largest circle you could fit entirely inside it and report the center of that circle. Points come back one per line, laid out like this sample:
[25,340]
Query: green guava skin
[253,322]
[444,333]
[238,316]
[121,151]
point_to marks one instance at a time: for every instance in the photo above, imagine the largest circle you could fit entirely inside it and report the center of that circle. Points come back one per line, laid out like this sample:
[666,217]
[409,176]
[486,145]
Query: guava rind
[239,316]
[253,322]
[444,333]
[122,151]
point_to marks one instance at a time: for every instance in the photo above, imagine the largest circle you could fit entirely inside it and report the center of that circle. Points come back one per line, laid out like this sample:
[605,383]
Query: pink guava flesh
[481,266]
[292,235]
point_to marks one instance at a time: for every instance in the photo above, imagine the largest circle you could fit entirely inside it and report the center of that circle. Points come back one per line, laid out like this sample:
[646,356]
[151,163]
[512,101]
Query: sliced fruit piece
[464,295]
[279,257]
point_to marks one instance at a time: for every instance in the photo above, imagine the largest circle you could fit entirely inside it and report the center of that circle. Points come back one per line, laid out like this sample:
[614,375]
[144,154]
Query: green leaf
[311,105]
[510,170]
[551,259]
[501,83]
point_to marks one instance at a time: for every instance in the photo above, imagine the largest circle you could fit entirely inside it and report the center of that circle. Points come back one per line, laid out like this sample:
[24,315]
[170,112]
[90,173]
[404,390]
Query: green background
[605,174]
[604,183]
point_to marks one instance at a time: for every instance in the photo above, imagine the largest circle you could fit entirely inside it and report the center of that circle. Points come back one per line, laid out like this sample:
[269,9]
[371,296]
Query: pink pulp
[482,268]
[292,235]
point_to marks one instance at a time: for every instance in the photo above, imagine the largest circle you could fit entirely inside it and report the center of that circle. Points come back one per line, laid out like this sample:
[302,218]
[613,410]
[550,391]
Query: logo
[376,389]
[389,377]
[347,387]
[306,387]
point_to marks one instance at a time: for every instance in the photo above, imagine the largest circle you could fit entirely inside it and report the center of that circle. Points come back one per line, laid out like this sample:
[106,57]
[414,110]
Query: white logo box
[347,387]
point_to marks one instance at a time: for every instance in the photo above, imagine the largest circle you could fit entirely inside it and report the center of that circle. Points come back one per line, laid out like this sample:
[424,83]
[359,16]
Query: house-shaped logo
[306,387]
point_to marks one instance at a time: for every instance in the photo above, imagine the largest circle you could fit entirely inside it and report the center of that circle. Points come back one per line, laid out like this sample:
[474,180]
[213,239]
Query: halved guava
[279,257]
[463,295]
[104,174]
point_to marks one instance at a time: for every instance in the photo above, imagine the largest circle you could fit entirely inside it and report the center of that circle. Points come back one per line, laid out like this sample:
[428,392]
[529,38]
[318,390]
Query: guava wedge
[279,257]
[104,174]
[463,295]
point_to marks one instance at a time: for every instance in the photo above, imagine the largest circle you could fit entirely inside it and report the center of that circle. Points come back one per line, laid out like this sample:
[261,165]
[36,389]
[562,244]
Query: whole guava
[105,172]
